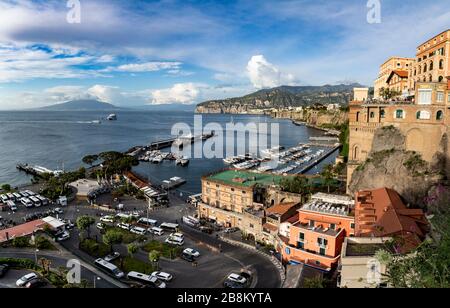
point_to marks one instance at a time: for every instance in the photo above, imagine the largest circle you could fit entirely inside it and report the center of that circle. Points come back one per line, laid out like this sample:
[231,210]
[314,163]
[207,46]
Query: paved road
[61,261]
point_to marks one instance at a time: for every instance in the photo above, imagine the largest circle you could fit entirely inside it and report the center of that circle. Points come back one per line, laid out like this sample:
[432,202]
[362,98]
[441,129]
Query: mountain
[81,105]
[281,97]
[166,107]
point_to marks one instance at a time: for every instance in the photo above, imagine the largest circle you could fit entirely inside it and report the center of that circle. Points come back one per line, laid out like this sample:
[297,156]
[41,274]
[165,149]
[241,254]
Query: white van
[12,205]
[110,268]
[4,198]
[138,231]
[175,241]
[146,279]
[147,222]
[27,202]
[157,231]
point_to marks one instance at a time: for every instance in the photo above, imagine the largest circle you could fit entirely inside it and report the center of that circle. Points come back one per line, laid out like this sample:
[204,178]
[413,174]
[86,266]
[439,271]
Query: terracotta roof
[281,208]
[382,213]
[139,182]
[270,227]
[22,230]
[400,73]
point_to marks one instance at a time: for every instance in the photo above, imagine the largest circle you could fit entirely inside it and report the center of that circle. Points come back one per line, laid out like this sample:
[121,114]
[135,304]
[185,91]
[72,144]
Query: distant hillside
[80,105]
[280,97]
[166,107]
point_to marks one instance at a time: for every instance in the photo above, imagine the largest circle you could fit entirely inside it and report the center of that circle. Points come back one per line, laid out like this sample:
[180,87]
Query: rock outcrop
[389,165]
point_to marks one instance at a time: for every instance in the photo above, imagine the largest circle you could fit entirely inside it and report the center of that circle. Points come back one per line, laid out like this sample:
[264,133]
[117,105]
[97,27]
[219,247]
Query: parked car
[63,236]
[36,283]
[187,257]
[237,278]
[138,231]
[192,252]
[124,226]
[58,211]
[100,226]
[112,256]
[107,219]
[69,224]
[162,276]
[175,241]
[26,279]
[3,269]
[230,230]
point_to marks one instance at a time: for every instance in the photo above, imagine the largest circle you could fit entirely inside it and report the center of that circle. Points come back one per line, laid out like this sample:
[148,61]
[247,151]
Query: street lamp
[36,256]
[95,281]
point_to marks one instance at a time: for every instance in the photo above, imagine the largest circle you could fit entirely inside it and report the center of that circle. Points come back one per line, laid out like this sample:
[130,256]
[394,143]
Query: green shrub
[166,250]
[19,263]
[94,249]
[130,264]
[21,242]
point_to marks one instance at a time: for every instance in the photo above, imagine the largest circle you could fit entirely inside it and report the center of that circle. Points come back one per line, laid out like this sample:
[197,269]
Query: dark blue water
[56,139]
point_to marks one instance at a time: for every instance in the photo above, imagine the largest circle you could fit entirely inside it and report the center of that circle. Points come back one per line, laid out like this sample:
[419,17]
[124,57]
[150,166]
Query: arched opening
[441,78]
[399,114]
[357,116]
[425,68]
[441,64]
[418,115]
[430,78]
[431,65]
[439,115]
[356,152]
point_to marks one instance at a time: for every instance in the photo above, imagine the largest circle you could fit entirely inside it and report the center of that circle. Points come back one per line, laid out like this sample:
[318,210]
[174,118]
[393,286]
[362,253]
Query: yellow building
[386,69]
[432,60]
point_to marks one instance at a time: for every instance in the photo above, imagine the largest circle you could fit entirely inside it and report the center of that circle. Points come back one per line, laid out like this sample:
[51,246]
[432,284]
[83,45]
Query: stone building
[387,68]
[424,119]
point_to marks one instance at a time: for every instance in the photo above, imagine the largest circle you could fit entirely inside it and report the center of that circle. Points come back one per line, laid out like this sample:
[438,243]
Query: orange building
[398,81]
[316,238]
[382,213]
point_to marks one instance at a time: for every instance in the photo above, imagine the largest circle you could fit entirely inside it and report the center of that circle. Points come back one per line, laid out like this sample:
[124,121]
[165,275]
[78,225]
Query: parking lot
[217,259]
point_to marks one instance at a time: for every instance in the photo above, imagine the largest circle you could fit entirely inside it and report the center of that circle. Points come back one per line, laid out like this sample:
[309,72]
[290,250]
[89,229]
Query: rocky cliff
[279,98]
[314,117]
[390,165]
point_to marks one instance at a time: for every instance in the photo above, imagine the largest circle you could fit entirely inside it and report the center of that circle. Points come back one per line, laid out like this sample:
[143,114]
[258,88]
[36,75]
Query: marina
[37,170]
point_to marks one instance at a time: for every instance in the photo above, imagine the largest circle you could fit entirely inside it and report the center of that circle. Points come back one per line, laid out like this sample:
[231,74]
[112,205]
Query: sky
[132,53]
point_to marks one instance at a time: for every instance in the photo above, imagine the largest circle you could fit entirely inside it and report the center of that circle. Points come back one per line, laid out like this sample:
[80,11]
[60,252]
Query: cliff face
[389,165]
[314,117]
[279,98]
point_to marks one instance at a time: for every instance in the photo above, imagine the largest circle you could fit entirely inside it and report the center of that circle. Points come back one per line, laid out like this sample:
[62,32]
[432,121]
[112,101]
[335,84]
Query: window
[440,97]
[372,115]
[441,64]
[439,115]
[357,116]
[382,113]
[431,65]
[424,96]
[322,251]
[425,68]
[352,225]
[302,237]
[399,114]
[423,115]
[300,245]
[312,223]
[333,226]
[252,226]
[441,79]
[448,98]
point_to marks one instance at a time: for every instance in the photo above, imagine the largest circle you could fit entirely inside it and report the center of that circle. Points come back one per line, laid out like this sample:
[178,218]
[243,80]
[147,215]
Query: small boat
[158,159]
[182,161]
[96,122]
[112,117]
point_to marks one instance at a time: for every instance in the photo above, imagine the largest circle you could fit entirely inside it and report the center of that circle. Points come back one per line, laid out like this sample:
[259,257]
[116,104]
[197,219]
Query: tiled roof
[281,208]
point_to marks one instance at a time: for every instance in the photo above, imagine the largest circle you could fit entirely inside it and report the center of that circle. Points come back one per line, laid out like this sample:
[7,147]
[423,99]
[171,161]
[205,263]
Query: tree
[132,249]
[6,187]
[387,93]
[90,159]
[297,185]
[314,283]
[84,223]
[328,174]
[112,237]
[153,257]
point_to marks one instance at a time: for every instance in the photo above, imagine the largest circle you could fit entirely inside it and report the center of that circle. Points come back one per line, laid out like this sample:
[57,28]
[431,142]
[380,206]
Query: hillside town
[349,226]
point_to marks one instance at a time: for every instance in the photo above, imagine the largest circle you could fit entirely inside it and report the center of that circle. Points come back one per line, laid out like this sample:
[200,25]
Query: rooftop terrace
[245,178]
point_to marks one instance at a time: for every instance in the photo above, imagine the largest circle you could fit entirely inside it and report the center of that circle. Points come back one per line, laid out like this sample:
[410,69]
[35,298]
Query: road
[60,260]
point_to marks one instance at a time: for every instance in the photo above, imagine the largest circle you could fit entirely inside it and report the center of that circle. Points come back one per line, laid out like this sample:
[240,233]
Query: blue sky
[170,51]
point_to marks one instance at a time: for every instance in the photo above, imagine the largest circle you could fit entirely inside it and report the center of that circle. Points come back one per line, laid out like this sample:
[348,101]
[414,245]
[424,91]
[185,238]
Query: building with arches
[423,118]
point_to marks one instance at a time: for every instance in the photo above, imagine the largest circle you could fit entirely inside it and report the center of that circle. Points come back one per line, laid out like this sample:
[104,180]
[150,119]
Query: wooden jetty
[318,160]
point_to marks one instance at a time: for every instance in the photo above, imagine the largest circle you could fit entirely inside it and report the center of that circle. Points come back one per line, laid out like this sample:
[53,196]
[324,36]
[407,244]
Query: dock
[318,160]
[37,170]
[327,139]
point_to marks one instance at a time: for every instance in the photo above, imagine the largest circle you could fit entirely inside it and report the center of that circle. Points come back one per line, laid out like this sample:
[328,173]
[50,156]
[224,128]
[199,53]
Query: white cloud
[107,94]
[264,74]
[184,93]
[148,67]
